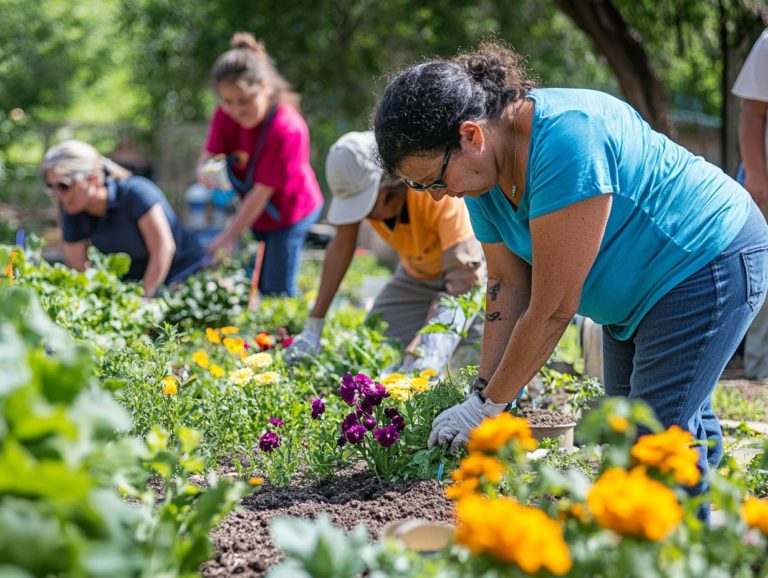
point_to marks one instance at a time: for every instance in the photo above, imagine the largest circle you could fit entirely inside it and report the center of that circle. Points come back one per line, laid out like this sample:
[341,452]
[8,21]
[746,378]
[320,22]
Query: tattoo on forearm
[493,291]
[494,316]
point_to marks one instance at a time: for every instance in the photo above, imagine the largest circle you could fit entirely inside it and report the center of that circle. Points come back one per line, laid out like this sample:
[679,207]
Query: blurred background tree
[145,63]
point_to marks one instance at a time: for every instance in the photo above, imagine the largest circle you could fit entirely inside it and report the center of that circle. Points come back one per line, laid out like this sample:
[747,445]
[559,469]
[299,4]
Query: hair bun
[246,40]
[488,70]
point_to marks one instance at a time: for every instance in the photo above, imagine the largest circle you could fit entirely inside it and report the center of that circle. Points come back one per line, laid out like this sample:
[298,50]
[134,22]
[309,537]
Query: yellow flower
[256,481]
[235,345]
[212,335]
[512,533]
[494,433]
[399,391]
[241,376]
[266,378]
[258,361]
[631,503]
[428,373]
[669,451]
[201,358]
[755,513]
[393,378]
[216,370]
[229,330]
[170,385]
[420,384]
[618,423]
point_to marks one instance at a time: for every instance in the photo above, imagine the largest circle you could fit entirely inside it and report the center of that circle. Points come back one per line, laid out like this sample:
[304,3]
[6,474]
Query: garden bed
[242,540]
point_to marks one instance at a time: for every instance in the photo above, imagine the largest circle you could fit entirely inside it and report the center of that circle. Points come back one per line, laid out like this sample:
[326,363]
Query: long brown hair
[248,62]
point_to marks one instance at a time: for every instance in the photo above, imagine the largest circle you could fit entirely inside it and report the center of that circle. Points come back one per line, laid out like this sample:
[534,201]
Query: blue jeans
[680,348]
[282,256]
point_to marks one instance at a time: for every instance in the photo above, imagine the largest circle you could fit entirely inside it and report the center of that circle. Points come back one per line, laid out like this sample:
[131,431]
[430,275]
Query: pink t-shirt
[283,163]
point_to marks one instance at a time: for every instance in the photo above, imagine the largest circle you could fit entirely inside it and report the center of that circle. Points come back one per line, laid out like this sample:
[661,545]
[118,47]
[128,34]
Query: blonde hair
[71,157]
[249,63]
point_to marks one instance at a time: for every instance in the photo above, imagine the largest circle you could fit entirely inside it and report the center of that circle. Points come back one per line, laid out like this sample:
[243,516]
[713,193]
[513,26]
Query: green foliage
[317,549]
[730,403]
[63,453]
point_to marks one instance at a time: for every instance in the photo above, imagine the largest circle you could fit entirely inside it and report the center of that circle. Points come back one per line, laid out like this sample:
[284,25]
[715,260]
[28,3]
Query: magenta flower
[349,420]
[369,422]
[276,421]
[269,442]
[341,441]
[399,422]
[386,436]
[355,434]
[390,412]
[318,408]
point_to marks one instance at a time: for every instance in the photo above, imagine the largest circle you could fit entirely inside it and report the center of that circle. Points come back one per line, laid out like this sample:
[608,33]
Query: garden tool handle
[253,297]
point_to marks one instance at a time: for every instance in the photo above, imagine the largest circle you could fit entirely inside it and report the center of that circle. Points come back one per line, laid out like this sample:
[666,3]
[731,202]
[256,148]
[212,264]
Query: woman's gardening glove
[451,428]
[307,342]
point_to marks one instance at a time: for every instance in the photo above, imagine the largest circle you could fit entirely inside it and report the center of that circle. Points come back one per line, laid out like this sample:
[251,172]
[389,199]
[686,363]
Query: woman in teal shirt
[581,207]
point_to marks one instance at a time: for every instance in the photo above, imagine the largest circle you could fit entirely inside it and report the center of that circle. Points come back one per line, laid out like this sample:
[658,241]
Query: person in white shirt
[752,87]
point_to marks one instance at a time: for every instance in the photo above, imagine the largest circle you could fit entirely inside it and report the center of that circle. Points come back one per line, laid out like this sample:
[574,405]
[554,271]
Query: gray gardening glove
[451,428]
[307,342]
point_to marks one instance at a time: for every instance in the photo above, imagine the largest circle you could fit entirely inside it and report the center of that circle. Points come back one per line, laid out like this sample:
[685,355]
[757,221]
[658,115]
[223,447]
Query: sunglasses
[438,184]
[61,186]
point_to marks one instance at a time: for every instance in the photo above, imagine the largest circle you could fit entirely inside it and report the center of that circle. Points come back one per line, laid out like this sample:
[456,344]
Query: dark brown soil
[243,544]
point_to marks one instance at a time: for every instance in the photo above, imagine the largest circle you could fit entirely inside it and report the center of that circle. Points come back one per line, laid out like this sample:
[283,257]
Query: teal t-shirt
[672,212]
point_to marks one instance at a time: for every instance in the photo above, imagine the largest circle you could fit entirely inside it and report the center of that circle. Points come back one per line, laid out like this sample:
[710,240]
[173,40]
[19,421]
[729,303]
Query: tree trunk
[620,44]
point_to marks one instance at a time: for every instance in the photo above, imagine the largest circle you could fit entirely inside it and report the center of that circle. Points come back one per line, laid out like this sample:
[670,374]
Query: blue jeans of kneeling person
[679,351]
[282,256]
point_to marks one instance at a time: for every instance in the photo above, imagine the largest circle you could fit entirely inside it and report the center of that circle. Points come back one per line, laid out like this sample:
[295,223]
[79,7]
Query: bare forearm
[752,140]
[338,256]
[533,340]
[158,265]
[504,305]
[250,210]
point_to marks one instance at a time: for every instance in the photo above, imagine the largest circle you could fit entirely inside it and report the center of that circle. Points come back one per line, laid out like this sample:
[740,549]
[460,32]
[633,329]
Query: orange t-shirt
[433,227]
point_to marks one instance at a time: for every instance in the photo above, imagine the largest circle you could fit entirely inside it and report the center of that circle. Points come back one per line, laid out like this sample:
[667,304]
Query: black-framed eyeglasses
[438,184]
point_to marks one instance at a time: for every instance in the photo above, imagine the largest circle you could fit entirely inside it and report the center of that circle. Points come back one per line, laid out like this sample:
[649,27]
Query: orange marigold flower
[493,433]
[669,451]
[263,340]
[755,513]
[477,465]
[462,488]
[631,503]
[229,330]
[212,335]
[256,481]
[533,541]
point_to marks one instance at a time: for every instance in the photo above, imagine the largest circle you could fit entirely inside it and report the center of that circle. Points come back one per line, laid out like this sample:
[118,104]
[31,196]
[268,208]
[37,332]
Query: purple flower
[390,412]
[269,442]
[349,420]
[276,421]
[341,441]
[318,408]
[348,389]
[355,434]
[369,422]
[399,422]
[386,436]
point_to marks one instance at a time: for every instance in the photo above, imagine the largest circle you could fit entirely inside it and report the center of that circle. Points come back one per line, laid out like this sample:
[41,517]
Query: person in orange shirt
[439,254]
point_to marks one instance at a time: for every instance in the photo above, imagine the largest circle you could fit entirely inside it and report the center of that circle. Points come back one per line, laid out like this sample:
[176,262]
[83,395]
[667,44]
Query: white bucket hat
[353,177]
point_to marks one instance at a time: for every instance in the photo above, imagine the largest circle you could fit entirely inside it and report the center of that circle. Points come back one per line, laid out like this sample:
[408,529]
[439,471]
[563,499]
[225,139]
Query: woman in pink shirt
[259,129]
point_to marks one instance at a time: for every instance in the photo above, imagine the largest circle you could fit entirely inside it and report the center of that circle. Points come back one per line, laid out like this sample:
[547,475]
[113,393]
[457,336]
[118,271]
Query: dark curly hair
[423,106]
